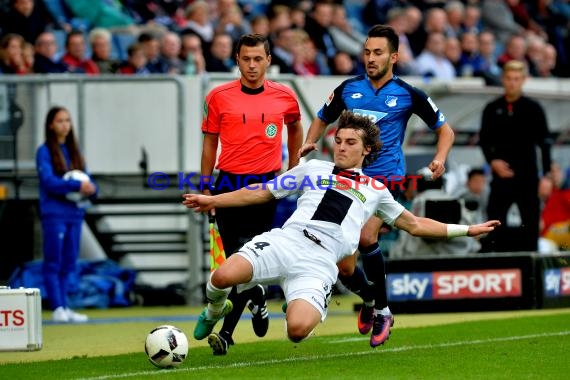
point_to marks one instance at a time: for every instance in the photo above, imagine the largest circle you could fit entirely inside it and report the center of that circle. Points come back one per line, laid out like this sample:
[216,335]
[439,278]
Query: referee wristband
[456,230]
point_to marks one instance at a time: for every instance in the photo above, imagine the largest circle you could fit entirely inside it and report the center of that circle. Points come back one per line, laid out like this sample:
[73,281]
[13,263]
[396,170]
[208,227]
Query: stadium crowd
[441,39]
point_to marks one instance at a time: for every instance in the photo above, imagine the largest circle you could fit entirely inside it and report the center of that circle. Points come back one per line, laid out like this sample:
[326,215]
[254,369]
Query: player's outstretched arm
[252,194]
[315,132]
[429,228]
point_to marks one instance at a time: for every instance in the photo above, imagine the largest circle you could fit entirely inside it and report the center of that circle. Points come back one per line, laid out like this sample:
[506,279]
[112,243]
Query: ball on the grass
[166,346]
[77,175]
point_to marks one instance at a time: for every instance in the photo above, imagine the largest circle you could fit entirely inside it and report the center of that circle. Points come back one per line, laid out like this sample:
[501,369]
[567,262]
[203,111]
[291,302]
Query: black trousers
[511,239]
[238,225]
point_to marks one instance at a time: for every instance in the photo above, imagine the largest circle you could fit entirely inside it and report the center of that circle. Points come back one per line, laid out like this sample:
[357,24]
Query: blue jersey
[390,107]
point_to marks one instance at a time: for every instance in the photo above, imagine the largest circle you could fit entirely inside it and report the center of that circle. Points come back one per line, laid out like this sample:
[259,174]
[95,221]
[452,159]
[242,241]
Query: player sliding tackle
[335,203]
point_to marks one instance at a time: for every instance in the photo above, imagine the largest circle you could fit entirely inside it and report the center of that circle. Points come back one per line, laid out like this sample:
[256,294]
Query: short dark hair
[389,33]
[253,40]
[370,133]
[475,171]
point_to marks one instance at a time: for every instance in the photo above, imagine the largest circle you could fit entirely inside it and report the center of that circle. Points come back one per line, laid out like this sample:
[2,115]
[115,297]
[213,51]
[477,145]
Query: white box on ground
[20,319]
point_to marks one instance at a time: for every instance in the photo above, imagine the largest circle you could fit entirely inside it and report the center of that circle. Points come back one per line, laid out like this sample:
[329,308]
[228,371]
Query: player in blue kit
[389,102]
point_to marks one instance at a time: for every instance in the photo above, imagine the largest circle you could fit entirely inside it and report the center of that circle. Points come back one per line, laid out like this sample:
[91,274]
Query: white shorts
[304,269]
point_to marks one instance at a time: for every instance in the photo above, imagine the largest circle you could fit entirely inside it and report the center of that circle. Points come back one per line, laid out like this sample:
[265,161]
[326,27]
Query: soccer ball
[166,346]
[77,175]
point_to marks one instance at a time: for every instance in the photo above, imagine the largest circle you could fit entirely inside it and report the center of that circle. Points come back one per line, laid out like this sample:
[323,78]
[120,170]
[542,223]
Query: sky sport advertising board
[455,285]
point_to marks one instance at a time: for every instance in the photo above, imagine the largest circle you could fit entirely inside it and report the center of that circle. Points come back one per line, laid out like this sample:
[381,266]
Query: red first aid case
[20,319]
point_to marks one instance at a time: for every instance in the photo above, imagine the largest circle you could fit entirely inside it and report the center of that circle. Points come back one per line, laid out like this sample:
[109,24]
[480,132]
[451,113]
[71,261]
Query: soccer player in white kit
[336,200]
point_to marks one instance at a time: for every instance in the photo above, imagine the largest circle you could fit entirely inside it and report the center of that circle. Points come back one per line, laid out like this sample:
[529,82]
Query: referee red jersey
[249,123]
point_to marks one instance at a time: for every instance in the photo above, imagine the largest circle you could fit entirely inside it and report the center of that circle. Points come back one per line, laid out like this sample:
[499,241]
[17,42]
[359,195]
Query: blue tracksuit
[61,226]
[390,107]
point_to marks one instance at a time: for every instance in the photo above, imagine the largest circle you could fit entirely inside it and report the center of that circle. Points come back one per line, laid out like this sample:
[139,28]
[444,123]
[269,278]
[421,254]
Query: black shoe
[260,316]
[219,345]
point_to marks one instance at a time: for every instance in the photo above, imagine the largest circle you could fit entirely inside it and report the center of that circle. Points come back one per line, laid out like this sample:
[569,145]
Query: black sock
[373,264]
[358,284]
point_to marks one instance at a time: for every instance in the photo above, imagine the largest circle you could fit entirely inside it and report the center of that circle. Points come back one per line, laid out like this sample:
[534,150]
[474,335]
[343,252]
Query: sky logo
[409,286]
[556,282]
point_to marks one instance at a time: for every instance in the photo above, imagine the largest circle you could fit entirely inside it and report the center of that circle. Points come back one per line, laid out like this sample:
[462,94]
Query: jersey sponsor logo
[391,100]
[271,130]
[409,286]
[432,104]
[340,185]
[492,283]
[556,282]
[375,116]
[357,95]
[330,99]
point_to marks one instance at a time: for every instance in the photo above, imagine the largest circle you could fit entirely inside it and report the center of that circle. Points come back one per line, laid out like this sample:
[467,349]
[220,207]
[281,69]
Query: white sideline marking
[330,356]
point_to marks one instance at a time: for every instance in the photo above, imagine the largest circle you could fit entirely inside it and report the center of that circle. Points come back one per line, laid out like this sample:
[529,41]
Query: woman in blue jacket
[61,215]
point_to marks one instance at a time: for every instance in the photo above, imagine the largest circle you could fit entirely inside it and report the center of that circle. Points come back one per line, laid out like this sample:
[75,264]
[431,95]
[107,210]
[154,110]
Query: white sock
[216,300]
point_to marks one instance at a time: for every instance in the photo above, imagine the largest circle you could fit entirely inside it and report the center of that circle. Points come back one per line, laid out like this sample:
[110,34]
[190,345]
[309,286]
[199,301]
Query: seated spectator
[471,61]
[455,11]
[308,60]
[45,55]
[475,194]
[432,62]
[282,45]
[343,34]
[135,63]
[344,64]
[453,52]
[516,49]
[198,21]
[547,64]
[555,216]
[151,48]
[74,56]
[432,202]
[471,20]
[11,55]
[28,18]
[232,22]
[435,21]
[489,70]
[220,58]
[498,18]
[100,40]
[169,53]
[318,25]
[398,20]
[260,25]
[191,54]
[28,57]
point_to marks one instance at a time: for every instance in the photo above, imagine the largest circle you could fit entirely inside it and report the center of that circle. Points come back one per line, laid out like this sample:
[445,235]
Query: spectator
[516,49]
[260,25]
[455,11]
[432,62]
[231,21]
[28,18]
[279,17]
[74,56]
[191,54]
[546,66]
[318,27]
[170,52]
[61,218]
[471,61]
[220,57]
[453,53]
[435,21]
[45,61]
[28,57]
[555,216]
[298,17]
[100,40]
[151,48]
[102,14]
[308,60]
[512,127]
[472,19]
[135,63]
[398,20]
[498,17]
[489,70]
[11,54]
[283,41]
[344,64]
[475,194]
[344,36]
[198,21]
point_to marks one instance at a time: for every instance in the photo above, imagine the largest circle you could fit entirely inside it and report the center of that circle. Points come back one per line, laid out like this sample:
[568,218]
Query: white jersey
[335,203]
